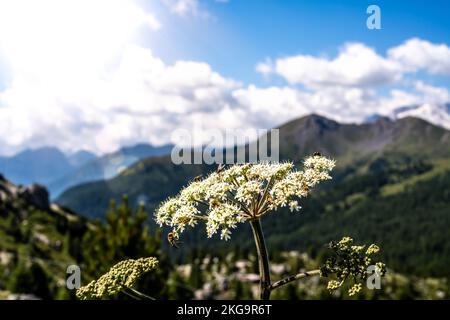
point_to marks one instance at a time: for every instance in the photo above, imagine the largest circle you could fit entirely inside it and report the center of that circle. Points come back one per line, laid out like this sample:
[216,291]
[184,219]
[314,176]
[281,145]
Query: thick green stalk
[263,259]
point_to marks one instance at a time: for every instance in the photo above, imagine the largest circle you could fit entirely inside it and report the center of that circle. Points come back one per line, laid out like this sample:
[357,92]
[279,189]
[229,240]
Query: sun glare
[50,37]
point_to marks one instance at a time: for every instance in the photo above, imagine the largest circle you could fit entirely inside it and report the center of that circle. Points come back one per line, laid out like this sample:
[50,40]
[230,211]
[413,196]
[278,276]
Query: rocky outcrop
[37,196]
[38,240]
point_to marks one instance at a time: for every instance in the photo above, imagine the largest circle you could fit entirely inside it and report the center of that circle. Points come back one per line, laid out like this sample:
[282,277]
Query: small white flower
[293,206]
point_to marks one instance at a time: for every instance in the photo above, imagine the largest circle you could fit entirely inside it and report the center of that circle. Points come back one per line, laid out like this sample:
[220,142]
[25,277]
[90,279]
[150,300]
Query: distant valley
[58,171]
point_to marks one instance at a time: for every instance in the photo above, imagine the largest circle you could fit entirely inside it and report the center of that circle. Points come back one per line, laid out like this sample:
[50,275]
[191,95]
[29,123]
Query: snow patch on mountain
[437,114]
[434,113]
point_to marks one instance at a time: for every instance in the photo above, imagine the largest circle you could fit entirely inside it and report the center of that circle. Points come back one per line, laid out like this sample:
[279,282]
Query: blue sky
[243,32]
[100,74]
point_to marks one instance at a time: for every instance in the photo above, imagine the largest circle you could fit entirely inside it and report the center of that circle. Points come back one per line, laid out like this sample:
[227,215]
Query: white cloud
[416,54]
[141,99]
[266,107]
[433,94]
[275,105]
[265,68]
[357,65]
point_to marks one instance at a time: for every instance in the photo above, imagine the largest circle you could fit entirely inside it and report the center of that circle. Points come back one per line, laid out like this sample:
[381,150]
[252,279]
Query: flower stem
[140,294]
[263,259]
[294,277]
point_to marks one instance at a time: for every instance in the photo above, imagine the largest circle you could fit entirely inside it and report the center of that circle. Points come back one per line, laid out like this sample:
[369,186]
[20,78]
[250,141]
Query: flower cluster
[120,276]
[350,262]
[240,193]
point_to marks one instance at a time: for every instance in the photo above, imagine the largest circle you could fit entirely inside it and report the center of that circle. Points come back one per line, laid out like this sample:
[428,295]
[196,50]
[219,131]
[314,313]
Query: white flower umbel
[243,192]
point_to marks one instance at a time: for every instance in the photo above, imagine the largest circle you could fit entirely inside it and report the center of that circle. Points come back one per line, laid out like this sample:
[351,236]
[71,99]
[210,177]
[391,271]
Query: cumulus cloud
[416,54]
[265,68]
[358,65]
[432,94]
[141,99]
[268,106]
[355,65]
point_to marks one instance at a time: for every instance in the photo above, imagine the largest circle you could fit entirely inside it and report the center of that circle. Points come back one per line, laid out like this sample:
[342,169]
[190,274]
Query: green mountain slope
[38,240]
[384,190]
[411,225]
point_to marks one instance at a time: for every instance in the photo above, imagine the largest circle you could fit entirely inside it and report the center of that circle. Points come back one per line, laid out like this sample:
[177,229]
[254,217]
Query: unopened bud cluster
[120,276]
[350,262]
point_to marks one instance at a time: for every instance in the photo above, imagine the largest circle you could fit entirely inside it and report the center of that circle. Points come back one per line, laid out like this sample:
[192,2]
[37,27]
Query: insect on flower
[172,240]
[220,168]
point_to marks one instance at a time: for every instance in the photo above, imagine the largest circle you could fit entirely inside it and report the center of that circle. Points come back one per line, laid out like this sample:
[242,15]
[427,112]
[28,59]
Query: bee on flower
[172,240]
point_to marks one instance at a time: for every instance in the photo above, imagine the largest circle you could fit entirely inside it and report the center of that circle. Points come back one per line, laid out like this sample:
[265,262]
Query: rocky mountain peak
[37,195]
[34,195]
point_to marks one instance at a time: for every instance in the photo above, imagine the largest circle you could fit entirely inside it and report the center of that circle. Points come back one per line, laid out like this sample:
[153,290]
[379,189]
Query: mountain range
[391,186]
[39,165]
[58,171]
[105,167]
[349,144]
